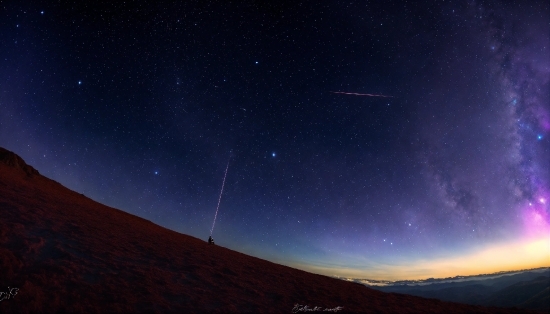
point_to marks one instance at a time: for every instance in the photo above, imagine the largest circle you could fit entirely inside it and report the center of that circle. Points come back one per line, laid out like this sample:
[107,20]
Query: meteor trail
[220,198]
[359,94]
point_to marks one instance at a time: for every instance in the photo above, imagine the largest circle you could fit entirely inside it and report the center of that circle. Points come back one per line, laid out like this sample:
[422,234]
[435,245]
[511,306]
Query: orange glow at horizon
[504,257]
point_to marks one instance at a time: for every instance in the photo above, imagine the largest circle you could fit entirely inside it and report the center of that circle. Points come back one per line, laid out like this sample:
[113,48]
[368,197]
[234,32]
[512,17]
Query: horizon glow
[492,259]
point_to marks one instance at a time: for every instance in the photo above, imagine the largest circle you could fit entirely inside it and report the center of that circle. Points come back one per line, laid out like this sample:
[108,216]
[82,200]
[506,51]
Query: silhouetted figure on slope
[210,240]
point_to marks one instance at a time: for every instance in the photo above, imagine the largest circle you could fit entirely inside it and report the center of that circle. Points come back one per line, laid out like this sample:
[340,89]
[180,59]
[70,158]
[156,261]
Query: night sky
[372,139]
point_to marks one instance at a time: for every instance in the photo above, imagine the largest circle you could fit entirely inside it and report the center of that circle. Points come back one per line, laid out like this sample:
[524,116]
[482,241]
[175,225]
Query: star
[539,137]
[79,82]
[273,154]
[156,172]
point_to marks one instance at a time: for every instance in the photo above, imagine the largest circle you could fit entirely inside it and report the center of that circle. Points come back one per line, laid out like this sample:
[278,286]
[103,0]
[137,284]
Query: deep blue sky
[140,105]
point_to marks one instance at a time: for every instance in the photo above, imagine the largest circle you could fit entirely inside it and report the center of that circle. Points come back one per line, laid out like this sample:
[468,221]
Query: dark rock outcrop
[13,160]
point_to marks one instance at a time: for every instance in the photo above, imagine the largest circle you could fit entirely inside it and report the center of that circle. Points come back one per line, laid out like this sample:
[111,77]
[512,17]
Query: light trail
[220,198]
[360,94]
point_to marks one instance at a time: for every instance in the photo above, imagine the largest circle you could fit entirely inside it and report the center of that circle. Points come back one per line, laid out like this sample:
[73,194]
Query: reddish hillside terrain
[68,253]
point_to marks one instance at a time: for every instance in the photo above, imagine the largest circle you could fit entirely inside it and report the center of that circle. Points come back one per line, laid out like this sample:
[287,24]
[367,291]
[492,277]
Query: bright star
[539,137]
[256,62]
[273,154]
[41,12]
[156,172]
[79,82]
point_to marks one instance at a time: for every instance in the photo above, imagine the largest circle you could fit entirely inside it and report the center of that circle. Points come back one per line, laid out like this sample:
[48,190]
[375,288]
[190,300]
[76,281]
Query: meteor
[220,198]
[359,94]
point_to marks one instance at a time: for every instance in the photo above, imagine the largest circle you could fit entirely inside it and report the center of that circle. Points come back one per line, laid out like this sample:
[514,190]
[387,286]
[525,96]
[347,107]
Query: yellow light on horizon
[503,257]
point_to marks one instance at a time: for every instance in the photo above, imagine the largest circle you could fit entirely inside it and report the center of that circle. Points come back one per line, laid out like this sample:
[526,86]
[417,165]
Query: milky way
[138,106]
[523,67]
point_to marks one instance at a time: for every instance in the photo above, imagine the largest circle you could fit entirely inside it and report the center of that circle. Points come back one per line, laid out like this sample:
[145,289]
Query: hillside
[68,253]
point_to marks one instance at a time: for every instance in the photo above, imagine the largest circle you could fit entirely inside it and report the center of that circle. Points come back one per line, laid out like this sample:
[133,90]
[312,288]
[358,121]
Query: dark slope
[527,290]
[540,301]
[67,253]
[533,294]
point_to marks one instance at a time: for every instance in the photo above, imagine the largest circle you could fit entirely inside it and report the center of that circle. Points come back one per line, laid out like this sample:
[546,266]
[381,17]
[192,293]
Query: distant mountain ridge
[533,294]
[429,281]
[529,290]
